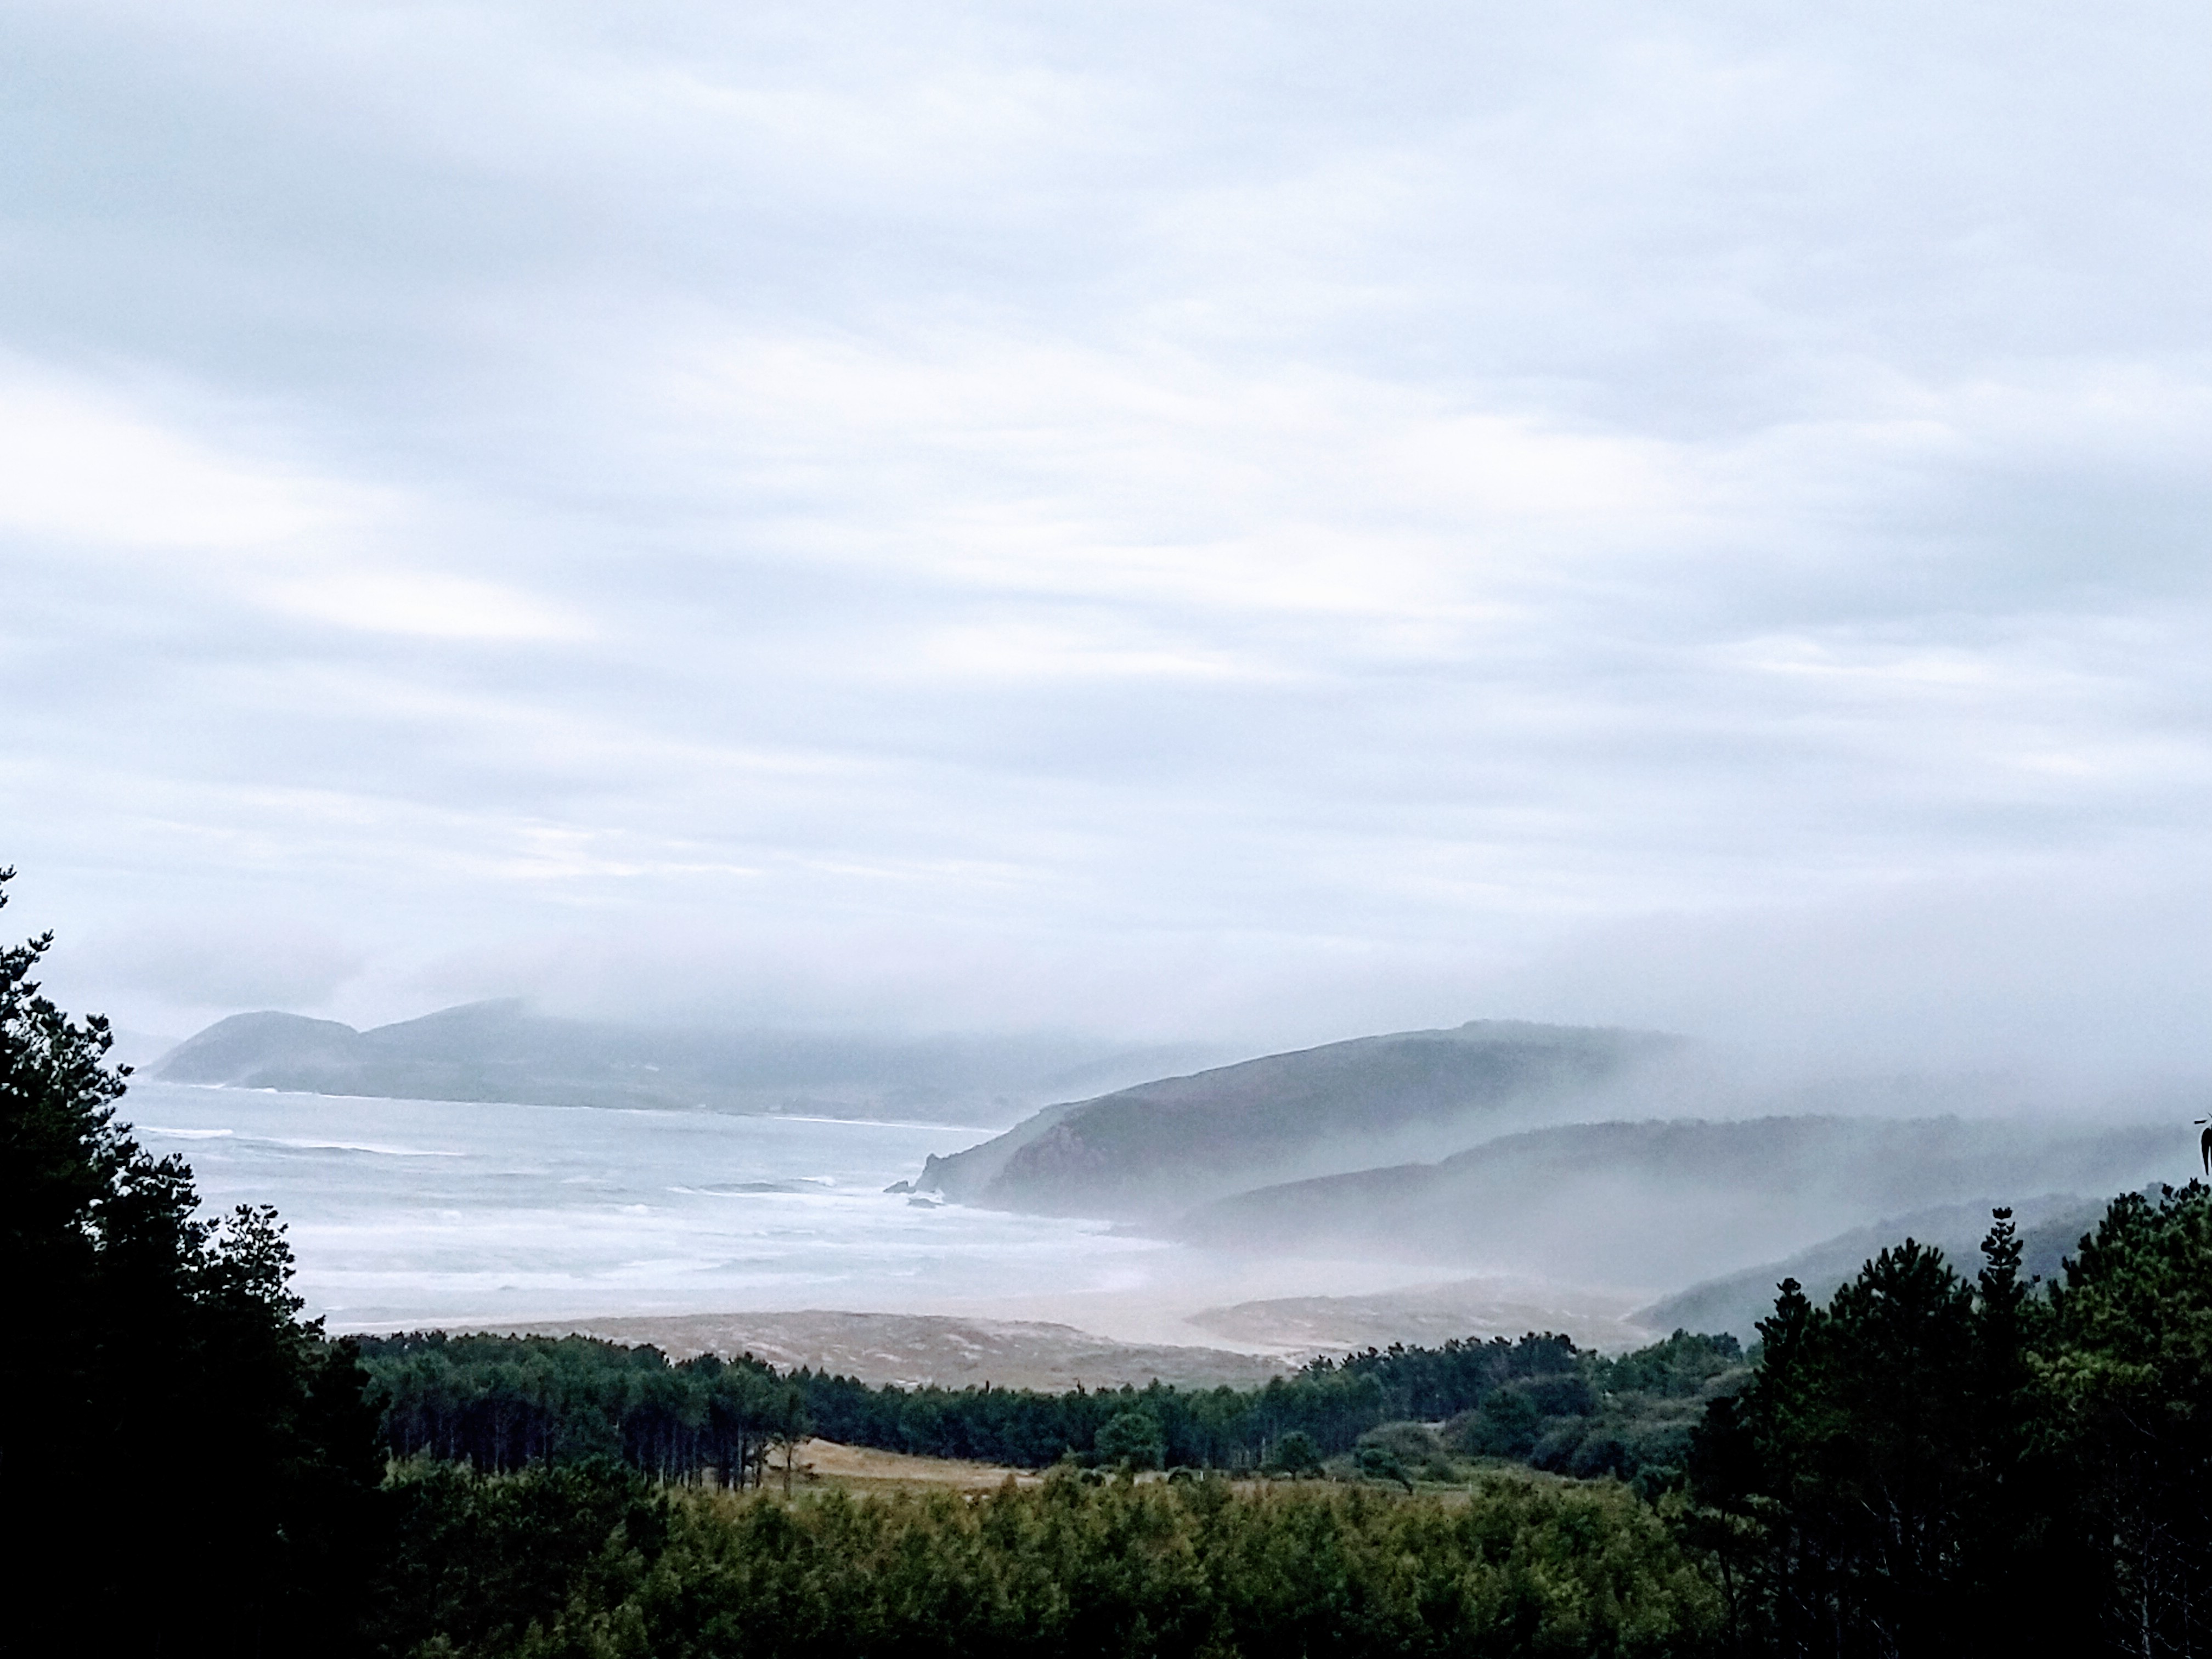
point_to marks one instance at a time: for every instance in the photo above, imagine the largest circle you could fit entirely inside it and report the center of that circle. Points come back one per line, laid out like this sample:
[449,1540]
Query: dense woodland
[501,1404]
[1924,1463]
[589,1561]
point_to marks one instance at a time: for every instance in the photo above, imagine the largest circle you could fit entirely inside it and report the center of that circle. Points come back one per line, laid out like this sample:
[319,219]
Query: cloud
[427,604]
[1208,520]
[109,482]
[80,464]
[216,961]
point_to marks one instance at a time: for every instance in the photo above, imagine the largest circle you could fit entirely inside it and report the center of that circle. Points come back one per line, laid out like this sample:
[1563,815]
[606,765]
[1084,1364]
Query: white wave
[351,1146]
[874,1123]
[541,1218]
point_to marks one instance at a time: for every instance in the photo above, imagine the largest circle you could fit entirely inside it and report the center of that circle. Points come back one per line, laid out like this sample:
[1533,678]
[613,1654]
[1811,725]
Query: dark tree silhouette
[200,1464]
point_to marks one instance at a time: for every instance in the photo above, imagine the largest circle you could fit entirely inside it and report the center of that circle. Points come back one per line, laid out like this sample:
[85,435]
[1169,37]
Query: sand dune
[915,1350]
[1426,1315]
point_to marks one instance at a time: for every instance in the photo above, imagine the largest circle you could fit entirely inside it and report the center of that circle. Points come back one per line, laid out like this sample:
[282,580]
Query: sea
[407,1214]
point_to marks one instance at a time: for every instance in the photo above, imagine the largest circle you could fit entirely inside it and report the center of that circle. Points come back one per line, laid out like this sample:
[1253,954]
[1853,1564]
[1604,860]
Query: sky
[1254,522]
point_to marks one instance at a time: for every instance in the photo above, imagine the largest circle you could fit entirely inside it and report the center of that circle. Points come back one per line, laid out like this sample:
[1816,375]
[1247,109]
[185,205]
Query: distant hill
[1654,1203]
[1157,1149]
[2050,1229]
[504,1051]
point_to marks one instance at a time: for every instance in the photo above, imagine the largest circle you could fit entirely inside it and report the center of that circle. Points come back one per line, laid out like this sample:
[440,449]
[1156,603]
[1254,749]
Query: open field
[858,1468]
[825,1463]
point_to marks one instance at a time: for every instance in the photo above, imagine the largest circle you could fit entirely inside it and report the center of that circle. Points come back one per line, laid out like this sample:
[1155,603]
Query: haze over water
[408,1212]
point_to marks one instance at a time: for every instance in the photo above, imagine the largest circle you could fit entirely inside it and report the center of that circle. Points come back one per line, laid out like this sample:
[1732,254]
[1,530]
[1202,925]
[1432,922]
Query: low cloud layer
[1265,522]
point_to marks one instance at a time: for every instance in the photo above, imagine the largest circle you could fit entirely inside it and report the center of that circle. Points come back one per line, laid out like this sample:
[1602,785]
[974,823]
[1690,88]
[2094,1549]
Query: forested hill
[1671,1201]
[505,1051]
[1162,1146]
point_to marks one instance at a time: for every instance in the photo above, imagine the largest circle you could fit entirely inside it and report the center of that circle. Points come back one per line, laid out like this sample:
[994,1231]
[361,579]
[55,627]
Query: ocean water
[407,1213]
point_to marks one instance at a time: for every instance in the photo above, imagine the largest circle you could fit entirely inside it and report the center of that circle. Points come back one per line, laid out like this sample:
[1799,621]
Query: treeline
[501,1404]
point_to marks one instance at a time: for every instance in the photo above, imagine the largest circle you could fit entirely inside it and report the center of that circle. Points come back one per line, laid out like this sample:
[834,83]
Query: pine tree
[202,1464]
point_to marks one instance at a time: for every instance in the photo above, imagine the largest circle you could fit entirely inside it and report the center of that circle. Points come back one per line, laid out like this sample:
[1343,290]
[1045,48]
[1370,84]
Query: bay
[409,1212]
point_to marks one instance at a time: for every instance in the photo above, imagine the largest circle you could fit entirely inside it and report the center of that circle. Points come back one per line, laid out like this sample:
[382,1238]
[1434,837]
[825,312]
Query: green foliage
[1631,1417]
[1926,1463]
[501,1403]
[1427,1384]
[1859,1416]
[1132,1439]
[1064,1569]
[160,1362]
[479,1559]
[1506,1424]
[1415,1451]
[1381,1463]
[1296,1455]
[2123,1384]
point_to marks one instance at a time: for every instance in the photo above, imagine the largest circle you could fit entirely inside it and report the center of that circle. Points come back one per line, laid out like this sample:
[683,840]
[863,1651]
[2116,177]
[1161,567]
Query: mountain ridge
[1157,1148]
[504,1051]
[1682,1199]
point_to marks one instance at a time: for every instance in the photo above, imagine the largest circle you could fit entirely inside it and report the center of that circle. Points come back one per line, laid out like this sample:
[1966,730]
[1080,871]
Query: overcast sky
[1265,522]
